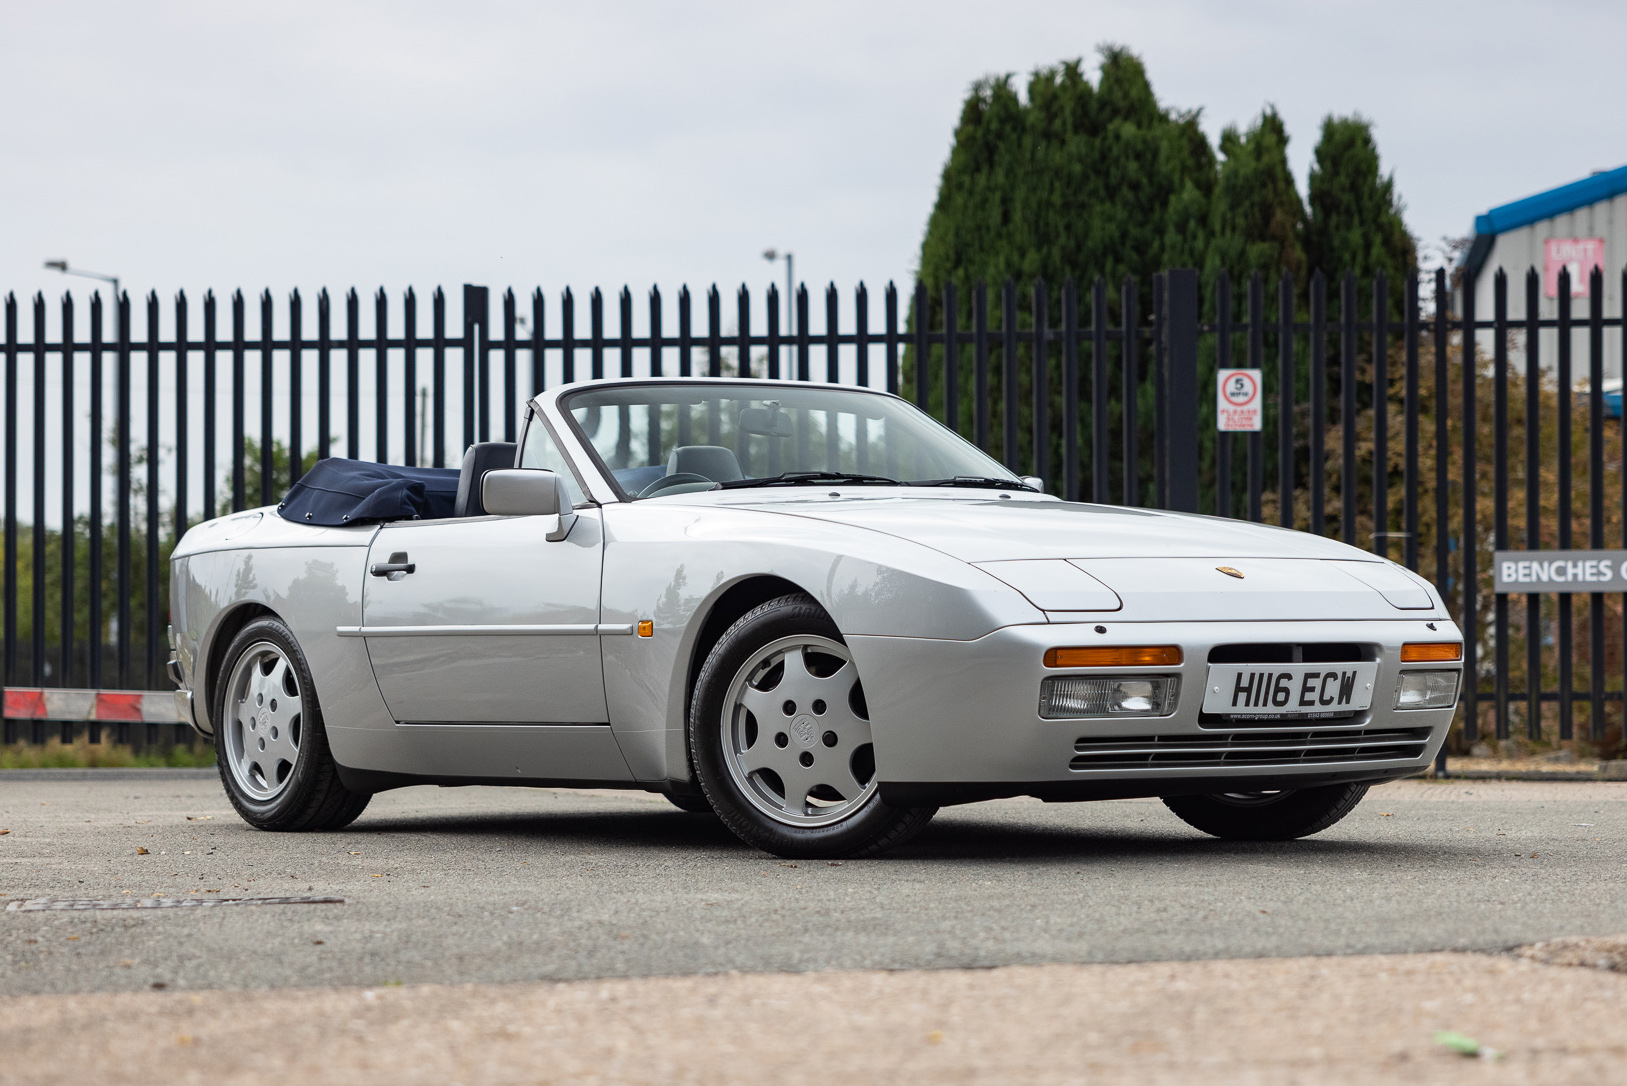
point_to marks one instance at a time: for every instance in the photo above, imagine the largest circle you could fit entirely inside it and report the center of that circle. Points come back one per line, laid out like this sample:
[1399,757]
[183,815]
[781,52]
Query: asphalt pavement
[508,884]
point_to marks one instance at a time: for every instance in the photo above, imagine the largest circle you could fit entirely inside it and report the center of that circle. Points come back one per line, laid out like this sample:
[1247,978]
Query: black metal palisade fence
[1374,432]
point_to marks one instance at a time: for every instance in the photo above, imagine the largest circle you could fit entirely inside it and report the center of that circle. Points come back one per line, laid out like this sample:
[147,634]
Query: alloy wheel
[264,732]
[796,732]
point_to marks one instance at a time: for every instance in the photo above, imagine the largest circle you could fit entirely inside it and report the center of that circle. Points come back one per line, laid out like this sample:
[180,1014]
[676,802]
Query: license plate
[1272,691]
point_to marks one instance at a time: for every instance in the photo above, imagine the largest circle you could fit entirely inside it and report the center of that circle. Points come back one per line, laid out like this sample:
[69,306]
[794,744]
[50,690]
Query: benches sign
[1560,571]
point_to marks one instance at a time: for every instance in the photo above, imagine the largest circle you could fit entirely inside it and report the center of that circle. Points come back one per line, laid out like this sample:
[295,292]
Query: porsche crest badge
[1230,572]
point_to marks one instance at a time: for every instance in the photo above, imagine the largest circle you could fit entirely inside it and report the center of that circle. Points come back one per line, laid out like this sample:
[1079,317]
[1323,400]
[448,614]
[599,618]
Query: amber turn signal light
[646,628]
[1431,652]
[1103,656]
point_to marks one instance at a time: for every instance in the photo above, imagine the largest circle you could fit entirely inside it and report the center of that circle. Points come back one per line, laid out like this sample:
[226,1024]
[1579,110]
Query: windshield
[673,438]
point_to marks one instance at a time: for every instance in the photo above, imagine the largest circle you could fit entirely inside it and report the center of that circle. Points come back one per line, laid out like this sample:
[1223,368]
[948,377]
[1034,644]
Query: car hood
[988,528]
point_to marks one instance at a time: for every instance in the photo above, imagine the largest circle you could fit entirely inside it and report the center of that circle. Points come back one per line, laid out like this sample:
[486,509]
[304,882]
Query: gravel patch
[1602,952]
[1261,1022]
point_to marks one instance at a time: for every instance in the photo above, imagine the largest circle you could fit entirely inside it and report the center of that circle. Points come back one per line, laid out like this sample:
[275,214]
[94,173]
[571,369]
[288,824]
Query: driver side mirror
[526,492]
[1035,481]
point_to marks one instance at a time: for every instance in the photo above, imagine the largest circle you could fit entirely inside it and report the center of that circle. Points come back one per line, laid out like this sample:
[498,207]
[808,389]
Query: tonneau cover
[337,493]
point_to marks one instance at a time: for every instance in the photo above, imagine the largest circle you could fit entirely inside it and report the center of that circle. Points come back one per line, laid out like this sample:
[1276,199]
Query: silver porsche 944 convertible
[809,609]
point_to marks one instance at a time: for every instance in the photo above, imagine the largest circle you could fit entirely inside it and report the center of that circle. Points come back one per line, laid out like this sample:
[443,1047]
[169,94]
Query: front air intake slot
[1334,652]
[1249,749]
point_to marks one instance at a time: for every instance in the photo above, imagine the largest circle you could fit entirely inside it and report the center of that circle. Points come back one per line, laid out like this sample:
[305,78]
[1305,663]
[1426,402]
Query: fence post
[476,313]
[1181,355]
[11,674]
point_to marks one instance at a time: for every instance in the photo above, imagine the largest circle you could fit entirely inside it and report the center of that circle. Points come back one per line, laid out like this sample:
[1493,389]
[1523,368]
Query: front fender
[670,564]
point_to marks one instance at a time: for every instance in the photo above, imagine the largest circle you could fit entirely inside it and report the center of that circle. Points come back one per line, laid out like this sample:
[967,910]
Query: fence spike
[743,331]
[539,374]
[861,334]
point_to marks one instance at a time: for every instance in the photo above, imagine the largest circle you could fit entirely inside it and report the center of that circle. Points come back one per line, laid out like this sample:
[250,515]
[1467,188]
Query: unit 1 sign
[1238,400]
[1560,571]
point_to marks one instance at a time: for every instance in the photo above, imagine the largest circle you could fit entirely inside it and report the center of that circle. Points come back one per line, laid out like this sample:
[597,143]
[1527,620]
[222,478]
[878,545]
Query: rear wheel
[270,744]
[1267,816]
[780,734]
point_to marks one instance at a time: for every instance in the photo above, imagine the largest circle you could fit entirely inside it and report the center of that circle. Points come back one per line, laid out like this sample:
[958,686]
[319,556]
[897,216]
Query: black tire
[311,798]
[689,804]
[1267,816]
[870,829]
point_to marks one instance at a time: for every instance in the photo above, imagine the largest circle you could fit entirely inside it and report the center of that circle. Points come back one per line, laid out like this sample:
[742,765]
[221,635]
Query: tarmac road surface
[510,884]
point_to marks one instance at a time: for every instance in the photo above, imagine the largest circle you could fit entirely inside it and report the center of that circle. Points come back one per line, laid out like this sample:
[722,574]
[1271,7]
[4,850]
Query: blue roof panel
[1545,205]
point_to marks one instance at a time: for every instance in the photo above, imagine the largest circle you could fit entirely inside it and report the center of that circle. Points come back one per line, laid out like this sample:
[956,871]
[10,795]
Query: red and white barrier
[99,706]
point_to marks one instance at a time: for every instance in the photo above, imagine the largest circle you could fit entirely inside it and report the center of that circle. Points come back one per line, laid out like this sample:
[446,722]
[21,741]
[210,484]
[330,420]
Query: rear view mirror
[523,492]
[765,422]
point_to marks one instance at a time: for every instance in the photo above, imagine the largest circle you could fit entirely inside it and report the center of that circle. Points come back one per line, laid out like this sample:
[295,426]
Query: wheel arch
[726,610]
[227,627]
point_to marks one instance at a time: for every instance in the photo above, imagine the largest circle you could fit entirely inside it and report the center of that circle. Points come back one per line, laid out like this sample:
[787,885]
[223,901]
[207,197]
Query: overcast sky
[192,145]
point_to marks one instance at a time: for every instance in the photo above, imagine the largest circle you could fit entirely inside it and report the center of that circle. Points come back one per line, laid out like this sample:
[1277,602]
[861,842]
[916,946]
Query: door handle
[395,568]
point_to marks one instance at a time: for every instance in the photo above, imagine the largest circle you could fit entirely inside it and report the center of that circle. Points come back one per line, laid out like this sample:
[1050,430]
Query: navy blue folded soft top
[336,493]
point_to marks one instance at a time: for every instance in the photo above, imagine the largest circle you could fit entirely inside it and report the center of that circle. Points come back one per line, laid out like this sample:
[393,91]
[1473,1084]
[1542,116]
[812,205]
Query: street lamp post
[773,255]
[62,266]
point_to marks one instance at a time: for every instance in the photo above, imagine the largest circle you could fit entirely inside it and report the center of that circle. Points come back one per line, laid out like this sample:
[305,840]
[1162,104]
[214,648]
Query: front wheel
[780,734]
[1267,816]
[270,744]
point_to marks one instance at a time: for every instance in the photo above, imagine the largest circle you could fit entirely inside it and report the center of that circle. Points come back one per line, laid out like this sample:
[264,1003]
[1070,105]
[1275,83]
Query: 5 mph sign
[1238,396]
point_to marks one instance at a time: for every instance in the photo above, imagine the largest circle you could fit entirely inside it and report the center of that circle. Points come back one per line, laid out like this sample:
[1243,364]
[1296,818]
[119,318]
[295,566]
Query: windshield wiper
[806,478]
[982,481]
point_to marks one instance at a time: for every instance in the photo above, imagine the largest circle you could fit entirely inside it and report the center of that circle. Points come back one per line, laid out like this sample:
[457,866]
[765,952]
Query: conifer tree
[1256,218]
[1078,180]
[1074,180]
[1355,214]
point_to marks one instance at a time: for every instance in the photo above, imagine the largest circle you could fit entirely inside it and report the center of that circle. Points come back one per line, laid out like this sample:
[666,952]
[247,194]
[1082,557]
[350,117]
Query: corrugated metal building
[1576,226]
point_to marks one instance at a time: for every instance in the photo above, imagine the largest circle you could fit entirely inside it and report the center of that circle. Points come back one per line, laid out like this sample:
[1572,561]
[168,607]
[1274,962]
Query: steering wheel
[667,482]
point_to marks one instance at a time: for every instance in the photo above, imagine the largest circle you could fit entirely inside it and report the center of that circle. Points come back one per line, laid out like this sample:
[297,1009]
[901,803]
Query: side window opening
[539,450]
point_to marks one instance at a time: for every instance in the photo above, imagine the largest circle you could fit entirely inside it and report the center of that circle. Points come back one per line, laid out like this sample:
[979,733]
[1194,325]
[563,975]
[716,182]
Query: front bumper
[184,703]
[183,709]
[961,718]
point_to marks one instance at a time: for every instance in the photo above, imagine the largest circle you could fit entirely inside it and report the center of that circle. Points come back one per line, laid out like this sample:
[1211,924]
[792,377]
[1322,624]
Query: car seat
[482,457]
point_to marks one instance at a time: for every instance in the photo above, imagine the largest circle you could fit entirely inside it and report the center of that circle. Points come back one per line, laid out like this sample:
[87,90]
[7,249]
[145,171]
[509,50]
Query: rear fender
[312,589]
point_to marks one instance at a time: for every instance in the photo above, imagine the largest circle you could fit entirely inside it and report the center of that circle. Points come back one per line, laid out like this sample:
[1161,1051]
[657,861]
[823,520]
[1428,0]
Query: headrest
[482,457]
[713,462]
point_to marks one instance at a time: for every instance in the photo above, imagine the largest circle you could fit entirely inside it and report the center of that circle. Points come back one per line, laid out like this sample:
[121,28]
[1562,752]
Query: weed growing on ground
[83,754]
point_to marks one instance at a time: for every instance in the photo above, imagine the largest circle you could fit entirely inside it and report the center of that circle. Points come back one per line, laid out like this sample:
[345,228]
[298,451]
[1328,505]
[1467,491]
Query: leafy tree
[1449,400]
[54,559]
[252,475]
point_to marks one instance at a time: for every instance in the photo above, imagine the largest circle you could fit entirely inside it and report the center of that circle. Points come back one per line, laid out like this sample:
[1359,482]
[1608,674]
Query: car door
[483,620]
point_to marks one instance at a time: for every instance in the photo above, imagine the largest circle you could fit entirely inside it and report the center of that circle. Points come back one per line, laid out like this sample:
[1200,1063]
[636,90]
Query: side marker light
[646,628]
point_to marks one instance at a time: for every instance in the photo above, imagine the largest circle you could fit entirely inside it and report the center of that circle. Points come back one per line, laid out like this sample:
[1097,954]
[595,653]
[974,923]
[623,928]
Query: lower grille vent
[1249,749]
